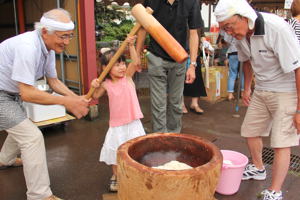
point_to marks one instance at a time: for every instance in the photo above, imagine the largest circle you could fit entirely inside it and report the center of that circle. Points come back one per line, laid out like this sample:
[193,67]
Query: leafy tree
[111,22]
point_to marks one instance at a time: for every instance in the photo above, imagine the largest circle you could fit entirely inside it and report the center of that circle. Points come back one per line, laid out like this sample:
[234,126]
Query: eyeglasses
[229,26]
[65,36]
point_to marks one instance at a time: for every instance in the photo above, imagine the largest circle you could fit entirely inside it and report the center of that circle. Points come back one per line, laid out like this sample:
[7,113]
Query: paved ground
[73,153]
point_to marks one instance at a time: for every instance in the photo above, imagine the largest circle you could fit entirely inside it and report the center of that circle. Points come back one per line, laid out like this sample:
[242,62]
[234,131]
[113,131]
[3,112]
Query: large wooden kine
[119,52]
[156,30]
[159,34]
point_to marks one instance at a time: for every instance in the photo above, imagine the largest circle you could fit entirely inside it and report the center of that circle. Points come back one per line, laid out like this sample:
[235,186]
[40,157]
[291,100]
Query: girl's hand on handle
[134,56]
[95,83]
[131,40]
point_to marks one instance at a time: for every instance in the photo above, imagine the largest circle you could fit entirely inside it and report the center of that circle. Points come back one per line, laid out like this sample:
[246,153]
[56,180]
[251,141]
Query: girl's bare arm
[131,69]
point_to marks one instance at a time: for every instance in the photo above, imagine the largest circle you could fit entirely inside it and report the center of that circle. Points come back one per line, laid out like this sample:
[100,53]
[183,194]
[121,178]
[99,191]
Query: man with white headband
[269,49]
[24,59]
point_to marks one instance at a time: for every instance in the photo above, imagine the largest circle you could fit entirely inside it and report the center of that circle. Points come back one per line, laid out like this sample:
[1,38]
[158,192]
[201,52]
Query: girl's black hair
[106,57]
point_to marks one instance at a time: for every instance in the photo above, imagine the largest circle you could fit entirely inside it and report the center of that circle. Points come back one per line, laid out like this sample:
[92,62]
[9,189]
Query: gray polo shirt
[274,53]
[25,58]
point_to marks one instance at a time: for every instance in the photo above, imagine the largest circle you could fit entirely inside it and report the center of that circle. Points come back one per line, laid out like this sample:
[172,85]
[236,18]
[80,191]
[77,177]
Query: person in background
[233,61]
[207,51]
[208,48]
[295,20]
[220,58]
[268,48]
[197,88]
[124,108]
[166,77]
[194,90]
[24,59]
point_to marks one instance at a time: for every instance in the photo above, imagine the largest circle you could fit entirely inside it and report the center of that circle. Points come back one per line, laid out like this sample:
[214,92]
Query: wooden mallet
[159,34]
[116,56]
[156,30]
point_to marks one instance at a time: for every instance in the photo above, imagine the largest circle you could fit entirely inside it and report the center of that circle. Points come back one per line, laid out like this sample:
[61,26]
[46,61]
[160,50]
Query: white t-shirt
[274,53]
[25,58]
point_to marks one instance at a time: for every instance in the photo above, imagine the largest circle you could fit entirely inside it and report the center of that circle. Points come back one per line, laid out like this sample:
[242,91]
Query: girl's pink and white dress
[125,115]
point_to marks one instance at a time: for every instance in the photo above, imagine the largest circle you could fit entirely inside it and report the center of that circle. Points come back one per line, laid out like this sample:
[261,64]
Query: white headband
[58,26]
[227,8]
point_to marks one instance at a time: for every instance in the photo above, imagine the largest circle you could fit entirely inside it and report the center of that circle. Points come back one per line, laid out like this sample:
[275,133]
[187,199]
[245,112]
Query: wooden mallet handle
[119,52]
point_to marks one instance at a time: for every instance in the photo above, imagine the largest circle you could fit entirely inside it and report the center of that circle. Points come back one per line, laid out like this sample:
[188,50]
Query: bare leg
[184,110]
[194,102]
[255,147]
[195,105]
[114,170]
[230,96]
[280,167]
[113,185]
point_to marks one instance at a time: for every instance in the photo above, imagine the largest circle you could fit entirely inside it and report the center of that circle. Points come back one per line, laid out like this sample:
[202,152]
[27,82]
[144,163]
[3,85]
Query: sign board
[287,4]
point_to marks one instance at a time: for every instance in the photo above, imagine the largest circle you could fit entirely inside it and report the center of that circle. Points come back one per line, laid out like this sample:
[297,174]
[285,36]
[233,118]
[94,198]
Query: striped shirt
[296,26]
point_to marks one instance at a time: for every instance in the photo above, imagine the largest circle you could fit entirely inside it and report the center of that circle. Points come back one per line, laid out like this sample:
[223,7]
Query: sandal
[17,163]
[113,184]
[197,110]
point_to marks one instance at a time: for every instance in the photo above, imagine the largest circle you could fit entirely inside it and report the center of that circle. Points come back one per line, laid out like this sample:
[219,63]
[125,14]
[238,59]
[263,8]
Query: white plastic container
[38,112]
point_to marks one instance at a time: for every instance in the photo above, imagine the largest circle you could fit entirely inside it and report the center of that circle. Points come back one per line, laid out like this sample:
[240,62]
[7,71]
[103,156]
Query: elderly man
[166,77]
[24,59]
[268,47]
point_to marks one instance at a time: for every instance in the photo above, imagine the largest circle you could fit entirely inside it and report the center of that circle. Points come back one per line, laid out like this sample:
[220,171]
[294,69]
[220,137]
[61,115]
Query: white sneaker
[271,195]
[251,172]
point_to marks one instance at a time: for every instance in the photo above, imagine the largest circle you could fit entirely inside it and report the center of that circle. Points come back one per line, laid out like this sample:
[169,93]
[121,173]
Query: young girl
[124,108]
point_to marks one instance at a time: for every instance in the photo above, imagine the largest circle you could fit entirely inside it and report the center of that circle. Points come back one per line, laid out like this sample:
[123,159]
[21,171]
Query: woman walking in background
[195,91]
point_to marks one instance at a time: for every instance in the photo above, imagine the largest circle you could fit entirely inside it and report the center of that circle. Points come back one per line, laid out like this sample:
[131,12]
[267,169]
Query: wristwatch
[194,63]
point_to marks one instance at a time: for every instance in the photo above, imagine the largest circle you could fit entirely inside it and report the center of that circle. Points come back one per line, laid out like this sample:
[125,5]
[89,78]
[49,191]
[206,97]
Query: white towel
[56,25]
[227,8]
